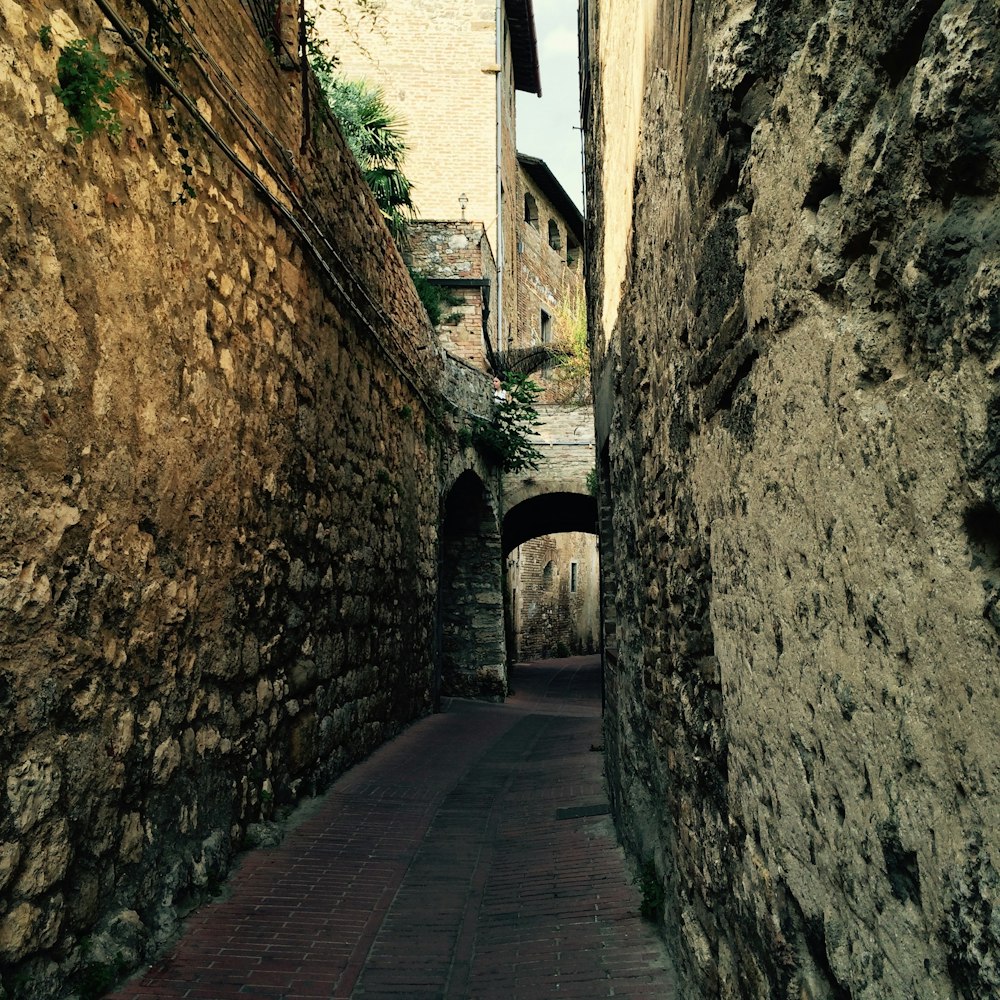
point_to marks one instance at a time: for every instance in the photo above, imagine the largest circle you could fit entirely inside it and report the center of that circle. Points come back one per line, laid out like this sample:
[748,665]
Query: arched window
[530,210]
[547,576]
[554,239]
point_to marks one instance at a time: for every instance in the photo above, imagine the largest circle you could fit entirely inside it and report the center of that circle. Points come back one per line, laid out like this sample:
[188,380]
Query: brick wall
[554,606]
[435,65]
[459,251]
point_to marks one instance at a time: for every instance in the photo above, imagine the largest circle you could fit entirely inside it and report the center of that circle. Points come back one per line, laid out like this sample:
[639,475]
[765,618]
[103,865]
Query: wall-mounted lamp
[463,201]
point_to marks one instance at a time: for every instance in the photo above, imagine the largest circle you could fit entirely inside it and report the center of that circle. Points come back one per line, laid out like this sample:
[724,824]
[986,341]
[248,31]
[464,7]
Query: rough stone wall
[219,496]
[803,490]
[459,251]
[473,643]
[551,617]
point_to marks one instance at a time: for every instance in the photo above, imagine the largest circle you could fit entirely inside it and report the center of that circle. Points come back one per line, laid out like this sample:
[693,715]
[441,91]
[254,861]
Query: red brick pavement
[453,864]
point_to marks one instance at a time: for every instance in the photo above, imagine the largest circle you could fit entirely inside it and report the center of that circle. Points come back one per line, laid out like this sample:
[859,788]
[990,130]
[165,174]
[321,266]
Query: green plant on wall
[505,439]
[86,85]
[572,371]
[653,894]
[436,300]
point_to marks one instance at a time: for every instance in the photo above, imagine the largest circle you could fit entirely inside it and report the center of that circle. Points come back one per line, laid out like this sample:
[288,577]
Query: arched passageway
[473,656]
[547,514]
[552,575]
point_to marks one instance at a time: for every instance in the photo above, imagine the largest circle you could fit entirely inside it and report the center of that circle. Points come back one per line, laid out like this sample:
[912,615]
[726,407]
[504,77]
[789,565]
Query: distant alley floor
[470,858]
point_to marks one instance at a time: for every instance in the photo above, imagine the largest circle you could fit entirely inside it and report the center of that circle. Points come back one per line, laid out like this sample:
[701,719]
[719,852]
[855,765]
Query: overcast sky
[547,127]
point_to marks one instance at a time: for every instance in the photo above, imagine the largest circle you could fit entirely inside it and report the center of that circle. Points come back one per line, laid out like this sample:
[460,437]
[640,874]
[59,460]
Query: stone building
[533,262]
[795,293]
[451,72]
[549,252]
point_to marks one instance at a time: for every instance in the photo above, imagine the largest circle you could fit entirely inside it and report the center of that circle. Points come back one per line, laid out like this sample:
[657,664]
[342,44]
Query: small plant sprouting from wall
[45,37]
[653,894]
[505,440]
[86,86]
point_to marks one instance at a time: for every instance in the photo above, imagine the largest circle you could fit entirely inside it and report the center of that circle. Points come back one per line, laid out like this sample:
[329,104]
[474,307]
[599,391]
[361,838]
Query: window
[547,576]
[530,210]
[554,239]
[572,577]
[546,327]
[572,250]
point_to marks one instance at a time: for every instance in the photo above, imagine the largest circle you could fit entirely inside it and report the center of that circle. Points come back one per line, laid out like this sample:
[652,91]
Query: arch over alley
[548,514]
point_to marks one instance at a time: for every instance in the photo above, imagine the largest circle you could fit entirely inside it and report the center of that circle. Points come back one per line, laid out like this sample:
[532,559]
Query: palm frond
[525,360]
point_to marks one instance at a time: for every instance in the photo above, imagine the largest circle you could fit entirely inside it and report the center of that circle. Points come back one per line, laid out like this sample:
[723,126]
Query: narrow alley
[471,857]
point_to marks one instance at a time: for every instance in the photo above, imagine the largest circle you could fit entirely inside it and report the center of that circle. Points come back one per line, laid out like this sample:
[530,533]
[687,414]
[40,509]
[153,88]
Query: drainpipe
[500,241]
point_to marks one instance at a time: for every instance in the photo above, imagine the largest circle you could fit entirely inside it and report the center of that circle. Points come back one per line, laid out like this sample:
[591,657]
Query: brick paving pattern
[469,859]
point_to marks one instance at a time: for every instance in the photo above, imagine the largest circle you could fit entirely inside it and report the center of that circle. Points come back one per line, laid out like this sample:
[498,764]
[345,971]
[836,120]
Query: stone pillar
[473,649]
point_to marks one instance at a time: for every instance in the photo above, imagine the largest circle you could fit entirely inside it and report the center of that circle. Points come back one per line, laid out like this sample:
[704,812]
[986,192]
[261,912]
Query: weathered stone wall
[473,641]
[802,450]
[219,492]
[552,585]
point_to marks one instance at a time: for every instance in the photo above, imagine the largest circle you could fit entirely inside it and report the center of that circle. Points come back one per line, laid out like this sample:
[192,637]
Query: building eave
[524,46]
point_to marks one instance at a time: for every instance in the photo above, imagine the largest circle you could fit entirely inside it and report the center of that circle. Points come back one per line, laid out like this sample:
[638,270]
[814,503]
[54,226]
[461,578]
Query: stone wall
[801,486]
[459,252]
[220,457]
[473,643]
[552,585]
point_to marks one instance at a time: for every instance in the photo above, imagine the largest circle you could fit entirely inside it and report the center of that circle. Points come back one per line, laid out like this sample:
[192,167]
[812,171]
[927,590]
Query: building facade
[460,127]
[496,231]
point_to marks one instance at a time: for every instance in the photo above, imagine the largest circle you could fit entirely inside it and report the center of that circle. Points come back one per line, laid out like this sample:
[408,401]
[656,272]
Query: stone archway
[552,575]
[472,648]
[546,514]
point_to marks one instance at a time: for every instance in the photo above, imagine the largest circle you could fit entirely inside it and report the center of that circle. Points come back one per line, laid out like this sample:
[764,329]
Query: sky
[547,127]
